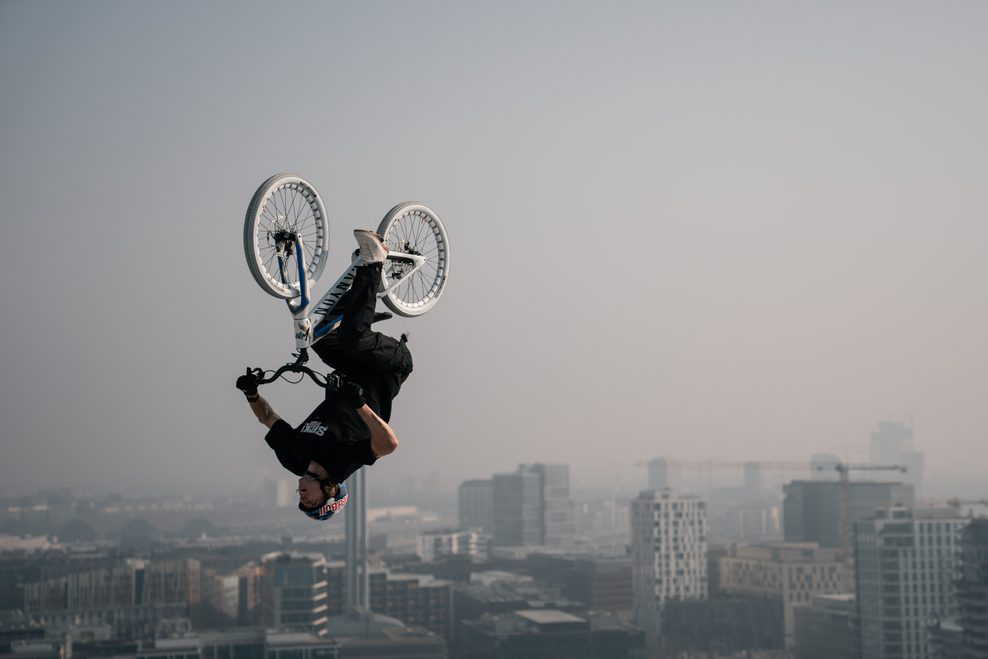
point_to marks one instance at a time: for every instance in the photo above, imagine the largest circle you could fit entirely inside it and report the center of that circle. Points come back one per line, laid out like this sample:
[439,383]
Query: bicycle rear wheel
[414,228]
[285,206]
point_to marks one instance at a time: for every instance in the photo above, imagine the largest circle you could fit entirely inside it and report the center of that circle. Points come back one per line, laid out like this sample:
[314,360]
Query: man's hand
[247,383]
[353,393]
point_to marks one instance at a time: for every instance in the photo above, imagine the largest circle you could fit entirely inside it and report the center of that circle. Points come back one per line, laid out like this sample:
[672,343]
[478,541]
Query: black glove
[353,393]
[247,383]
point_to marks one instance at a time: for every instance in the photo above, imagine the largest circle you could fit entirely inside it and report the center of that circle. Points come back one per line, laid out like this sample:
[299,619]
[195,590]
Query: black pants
[377,362]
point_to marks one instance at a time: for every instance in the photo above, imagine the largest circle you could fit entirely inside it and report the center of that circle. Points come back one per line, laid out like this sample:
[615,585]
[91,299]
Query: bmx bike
[286,241]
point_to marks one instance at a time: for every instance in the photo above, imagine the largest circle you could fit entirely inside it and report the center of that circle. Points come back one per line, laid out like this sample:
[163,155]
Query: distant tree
[76,530]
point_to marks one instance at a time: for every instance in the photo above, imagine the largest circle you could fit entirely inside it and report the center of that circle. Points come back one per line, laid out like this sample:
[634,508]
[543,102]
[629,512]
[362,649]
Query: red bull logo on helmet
[333,506]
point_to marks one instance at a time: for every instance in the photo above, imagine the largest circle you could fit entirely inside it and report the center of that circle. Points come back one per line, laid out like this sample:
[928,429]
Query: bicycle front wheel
[414,228]
[285,207]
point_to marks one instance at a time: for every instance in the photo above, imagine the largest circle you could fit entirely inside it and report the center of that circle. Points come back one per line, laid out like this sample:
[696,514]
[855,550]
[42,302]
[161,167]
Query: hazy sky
[726,230]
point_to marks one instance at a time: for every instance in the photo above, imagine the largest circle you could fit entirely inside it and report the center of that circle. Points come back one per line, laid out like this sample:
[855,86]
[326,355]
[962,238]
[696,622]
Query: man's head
[320,498]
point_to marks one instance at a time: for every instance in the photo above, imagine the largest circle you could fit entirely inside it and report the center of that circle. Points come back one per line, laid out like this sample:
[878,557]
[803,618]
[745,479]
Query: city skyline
[705,232]
[143,575]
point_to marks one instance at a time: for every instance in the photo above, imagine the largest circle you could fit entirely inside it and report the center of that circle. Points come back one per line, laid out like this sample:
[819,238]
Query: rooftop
[548,616]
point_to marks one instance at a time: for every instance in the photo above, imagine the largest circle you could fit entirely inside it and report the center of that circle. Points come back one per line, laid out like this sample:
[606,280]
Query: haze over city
[704,231]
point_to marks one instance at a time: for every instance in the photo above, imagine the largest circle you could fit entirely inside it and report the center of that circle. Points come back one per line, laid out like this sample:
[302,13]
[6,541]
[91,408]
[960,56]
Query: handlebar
[329,381]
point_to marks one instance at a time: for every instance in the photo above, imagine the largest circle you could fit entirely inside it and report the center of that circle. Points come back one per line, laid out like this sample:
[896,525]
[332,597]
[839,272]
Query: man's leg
[355,347]
[355,333]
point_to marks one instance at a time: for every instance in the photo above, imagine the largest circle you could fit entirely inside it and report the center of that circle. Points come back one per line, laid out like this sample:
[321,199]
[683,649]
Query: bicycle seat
[382,315]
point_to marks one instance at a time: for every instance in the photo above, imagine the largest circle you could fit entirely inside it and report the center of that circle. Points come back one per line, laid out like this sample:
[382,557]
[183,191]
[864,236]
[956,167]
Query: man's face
[310,494]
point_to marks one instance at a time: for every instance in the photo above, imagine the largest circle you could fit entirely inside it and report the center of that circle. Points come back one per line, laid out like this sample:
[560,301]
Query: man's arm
[262,410]
[247,383]
[383,438]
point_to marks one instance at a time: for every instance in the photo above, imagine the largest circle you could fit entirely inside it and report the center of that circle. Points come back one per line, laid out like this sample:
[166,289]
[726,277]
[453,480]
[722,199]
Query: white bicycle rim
[414,228]
[285,202]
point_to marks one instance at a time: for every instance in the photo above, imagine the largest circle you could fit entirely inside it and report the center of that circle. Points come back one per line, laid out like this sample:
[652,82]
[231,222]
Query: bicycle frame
[306,321]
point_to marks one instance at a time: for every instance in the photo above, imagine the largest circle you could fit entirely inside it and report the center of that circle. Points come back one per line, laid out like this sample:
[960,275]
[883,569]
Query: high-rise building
[532,506]
[811,510]
[668,554]
[972,590]
[753,481]
[892,444]
[559,527]
[518,509]
[793,573]
[905,564]
[279,493]
[294,592]
[476,499]
[658,474]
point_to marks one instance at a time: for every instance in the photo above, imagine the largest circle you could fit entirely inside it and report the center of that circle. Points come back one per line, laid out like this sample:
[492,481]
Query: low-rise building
[827,628]
[792,572]
[549,634]
[436,544]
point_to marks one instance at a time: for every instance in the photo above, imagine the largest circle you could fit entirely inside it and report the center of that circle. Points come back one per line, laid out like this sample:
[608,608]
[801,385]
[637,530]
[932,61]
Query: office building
[130,596]
[279,493]
[436,544]
[559,527]
[599,583]
[549,634]
[972,590]
[668,554]
[827,628]
[221,593]
[905,564]
[476,505]
[792,573]
[735,626]
[417,600]
[811,510]
[518,509]
[294,592]
[413,599]
[370,639]
[532,506]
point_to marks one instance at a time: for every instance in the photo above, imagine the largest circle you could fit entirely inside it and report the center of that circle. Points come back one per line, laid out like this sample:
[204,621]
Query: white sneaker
[372,247]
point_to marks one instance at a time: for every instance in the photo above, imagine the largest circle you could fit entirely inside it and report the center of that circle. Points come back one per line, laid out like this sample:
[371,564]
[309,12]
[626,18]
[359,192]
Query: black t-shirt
[333,436]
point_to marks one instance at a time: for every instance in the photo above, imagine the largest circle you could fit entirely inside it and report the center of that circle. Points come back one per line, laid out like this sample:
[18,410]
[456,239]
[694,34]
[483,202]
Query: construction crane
[725,464]
[957,503]
[844,470]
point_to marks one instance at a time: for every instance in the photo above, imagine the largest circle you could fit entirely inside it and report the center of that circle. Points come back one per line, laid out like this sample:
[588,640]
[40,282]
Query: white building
[452,543]
[905,570]
[668,553]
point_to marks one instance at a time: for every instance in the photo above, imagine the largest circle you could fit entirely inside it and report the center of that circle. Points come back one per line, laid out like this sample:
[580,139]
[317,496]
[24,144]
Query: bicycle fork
[300,312]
